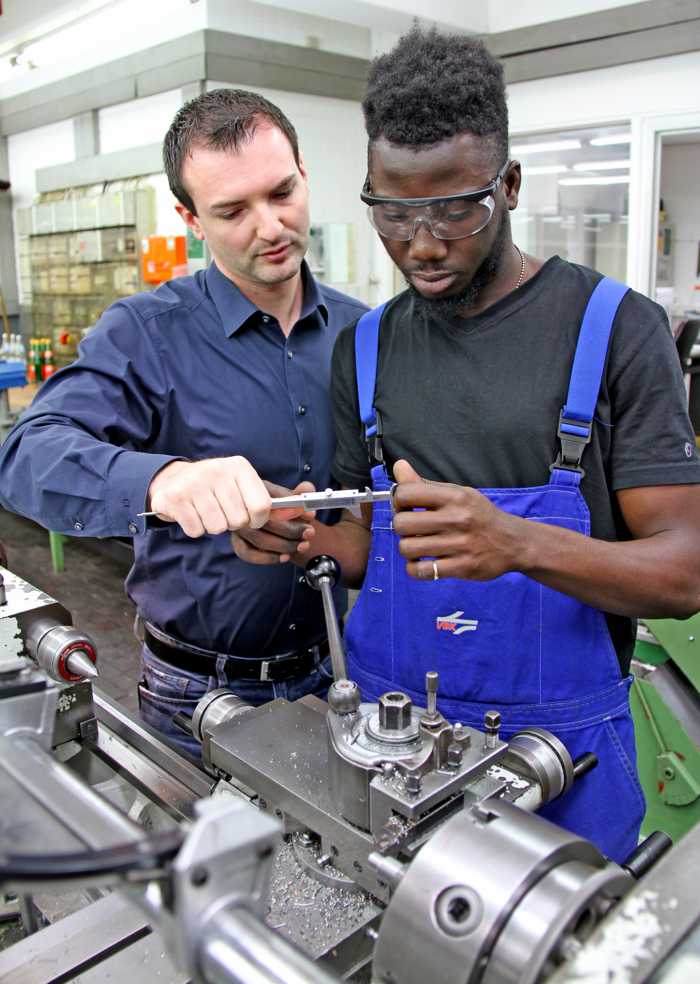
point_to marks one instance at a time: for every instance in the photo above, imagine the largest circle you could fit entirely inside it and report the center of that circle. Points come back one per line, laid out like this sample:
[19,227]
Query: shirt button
[266,318]
[291,627]
[78,526]
[301,409]
[133,528]
[290,354]
[307,468]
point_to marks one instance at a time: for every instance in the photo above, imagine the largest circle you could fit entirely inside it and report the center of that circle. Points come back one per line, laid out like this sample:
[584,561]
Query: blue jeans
[164,690]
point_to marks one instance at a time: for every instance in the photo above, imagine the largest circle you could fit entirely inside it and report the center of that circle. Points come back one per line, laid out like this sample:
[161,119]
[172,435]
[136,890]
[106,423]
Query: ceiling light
[612,180]
[611,140]
[19,60]
[545,169]
[602,165]
[543,148]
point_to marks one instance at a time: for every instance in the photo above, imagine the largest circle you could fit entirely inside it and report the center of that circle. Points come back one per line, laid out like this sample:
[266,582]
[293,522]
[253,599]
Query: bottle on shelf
[5,350]
[38,360]
[31,362]
[49,367]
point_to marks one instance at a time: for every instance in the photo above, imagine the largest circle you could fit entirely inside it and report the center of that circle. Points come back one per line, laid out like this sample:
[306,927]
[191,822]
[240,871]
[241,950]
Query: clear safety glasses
[447,217]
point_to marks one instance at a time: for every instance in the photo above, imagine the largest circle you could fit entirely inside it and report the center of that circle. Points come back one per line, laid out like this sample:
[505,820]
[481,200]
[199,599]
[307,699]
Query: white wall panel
[262,20]
[656,86]
[34,149]
[504,15]
[138,122]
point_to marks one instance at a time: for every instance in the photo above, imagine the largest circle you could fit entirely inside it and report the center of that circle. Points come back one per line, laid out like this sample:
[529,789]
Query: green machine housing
[665,702]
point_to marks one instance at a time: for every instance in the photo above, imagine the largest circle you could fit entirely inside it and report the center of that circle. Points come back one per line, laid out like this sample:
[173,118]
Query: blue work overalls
[540,657]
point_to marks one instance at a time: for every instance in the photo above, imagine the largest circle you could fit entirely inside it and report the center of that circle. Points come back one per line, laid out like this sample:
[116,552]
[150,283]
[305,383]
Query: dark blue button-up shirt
[191,370]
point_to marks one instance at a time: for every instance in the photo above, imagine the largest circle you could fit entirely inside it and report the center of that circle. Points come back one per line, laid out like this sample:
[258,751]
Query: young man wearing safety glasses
[533,415]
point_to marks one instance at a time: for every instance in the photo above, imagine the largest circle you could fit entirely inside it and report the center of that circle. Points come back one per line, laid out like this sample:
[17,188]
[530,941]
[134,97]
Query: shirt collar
[235,309]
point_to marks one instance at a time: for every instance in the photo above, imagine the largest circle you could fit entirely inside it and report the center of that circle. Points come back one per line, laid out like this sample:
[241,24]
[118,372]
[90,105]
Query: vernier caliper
[331,499]
[328,499]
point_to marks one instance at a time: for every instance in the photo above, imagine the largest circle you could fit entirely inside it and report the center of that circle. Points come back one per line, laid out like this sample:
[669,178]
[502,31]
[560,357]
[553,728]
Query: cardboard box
[40,281]
[58,279]
[61,312]
[118,244]
[159,254]
[84,247]
[126,279]
[80,279]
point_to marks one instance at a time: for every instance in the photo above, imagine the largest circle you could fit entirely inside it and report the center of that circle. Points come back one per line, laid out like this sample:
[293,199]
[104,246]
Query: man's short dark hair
[223,119]
[433,86]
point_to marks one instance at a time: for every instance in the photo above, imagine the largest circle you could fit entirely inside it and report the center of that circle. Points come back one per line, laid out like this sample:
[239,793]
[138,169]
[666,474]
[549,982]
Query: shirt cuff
[127,489]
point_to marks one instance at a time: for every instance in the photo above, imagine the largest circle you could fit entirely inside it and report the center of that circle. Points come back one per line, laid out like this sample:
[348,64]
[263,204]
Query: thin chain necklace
[519,281]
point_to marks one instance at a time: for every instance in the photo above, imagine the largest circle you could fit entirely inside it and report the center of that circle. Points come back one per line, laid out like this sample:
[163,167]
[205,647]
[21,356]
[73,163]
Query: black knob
[647,854]
[584,763]
[322,568]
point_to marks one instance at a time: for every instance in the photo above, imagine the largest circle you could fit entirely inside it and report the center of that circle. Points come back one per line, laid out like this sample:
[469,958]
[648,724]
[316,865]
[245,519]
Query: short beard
[458,305]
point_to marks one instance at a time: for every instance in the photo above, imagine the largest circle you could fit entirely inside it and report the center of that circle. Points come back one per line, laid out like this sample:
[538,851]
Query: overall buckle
[573,443]
[373,438]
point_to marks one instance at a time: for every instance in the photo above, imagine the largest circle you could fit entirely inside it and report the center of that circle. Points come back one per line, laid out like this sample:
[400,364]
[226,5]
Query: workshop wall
[659,85]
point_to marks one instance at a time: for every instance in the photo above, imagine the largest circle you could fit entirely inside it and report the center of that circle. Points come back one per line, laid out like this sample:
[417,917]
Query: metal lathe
[320,841]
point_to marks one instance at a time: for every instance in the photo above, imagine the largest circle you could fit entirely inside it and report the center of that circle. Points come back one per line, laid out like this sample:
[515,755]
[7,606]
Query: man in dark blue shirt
[182,401]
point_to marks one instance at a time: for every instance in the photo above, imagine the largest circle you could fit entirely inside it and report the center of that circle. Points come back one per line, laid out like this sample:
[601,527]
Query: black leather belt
[203,661]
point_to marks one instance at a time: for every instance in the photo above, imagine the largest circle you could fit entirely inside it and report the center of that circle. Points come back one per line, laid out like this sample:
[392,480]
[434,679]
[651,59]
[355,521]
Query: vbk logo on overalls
[455,624]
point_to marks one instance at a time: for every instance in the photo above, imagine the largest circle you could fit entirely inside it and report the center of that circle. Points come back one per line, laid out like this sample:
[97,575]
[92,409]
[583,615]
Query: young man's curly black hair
[432,86]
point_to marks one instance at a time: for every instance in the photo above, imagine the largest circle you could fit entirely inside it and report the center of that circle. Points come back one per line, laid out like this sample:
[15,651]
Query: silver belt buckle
[264,671]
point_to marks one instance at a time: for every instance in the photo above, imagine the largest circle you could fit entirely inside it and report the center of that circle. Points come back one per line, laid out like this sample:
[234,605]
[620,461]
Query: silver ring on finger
[436,572]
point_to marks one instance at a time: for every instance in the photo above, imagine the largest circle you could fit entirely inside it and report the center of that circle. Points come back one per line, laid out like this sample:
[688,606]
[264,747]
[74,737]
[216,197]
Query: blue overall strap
[576,417]
[366,356]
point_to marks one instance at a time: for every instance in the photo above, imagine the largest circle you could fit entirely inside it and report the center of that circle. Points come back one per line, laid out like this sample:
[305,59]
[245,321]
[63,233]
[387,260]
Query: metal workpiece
[490,897]
[322,574]
[216,706]
[540,756]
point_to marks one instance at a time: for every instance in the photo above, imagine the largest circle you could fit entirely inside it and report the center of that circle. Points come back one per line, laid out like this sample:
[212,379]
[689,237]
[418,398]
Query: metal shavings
[65,700]
[514,781]
[632,936]
[314,916]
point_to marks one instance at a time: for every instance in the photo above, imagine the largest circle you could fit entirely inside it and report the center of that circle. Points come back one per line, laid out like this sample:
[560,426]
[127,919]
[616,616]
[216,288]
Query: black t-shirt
[476,401]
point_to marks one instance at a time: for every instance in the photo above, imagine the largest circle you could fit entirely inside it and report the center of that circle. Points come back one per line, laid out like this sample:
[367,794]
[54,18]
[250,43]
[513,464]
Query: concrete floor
[92,588]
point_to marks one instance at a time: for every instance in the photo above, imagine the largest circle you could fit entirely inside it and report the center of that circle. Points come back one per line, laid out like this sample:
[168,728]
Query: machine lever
[647,854]
[584,763]
[322,573]
[183,722]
